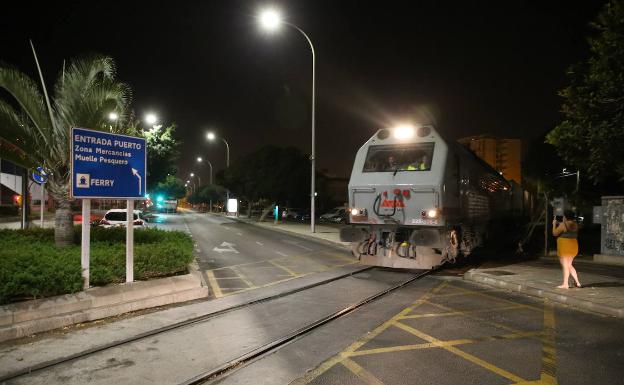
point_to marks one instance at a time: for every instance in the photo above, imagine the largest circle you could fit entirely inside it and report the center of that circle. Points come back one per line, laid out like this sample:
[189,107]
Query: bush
[31,266]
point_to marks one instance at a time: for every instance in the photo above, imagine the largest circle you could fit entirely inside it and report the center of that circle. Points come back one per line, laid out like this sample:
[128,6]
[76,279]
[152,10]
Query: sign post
[85,242]
[41,177]
[108,166]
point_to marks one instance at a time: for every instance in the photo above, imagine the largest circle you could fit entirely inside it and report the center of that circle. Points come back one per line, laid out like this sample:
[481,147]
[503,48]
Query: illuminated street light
[200,160]
[113,116]
[211,136]
[151,119]
[198,178]
[271,20]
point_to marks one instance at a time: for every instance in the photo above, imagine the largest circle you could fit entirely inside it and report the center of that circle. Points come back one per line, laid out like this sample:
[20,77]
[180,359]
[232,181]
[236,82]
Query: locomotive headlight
[433,213]
[404,132]
[355,211]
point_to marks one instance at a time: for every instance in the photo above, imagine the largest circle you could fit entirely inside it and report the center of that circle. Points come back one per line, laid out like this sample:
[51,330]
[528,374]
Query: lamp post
[200,159]
[271,20]
[198,178]
[211,136]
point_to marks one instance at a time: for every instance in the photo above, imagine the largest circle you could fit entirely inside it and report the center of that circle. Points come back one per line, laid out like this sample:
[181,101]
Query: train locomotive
[418,201]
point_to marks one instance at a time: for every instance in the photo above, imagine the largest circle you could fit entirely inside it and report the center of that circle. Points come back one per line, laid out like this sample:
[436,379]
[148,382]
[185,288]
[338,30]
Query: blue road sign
[40,176]
[106,165]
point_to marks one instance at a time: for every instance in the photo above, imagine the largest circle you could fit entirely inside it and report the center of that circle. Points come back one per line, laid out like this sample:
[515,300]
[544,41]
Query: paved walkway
[602,291]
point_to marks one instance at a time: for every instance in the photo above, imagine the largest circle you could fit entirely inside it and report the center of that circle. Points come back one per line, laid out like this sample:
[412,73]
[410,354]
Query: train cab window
[405,157]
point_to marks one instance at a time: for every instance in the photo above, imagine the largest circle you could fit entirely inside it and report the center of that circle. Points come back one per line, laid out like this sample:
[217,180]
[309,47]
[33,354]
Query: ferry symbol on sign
[82,180]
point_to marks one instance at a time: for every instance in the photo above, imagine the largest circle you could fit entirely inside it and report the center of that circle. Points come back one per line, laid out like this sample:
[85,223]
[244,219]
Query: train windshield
[404,157]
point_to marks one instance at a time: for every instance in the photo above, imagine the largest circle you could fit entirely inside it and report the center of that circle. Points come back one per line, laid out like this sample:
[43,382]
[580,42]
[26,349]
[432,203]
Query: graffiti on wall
[613,226]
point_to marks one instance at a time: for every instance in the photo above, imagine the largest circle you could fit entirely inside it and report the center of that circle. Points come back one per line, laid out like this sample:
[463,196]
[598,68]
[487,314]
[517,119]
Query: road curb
[490,280]
[30,317]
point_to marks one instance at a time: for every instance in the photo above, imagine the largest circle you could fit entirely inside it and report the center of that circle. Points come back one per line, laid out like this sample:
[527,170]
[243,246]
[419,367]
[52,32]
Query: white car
[117,217]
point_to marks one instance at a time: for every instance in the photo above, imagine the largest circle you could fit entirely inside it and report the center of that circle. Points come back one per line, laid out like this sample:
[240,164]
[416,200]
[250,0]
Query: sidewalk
[324,233]
[602,291]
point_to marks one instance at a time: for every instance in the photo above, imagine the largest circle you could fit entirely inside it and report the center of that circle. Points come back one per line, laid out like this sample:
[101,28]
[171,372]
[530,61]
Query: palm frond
[26,93]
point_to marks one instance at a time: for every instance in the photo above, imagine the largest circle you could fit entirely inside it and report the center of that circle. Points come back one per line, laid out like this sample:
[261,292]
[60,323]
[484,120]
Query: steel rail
[177,325]
[273,346]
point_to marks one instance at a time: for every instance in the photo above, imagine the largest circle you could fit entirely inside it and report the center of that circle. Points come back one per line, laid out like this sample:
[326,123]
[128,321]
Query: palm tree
[35,132]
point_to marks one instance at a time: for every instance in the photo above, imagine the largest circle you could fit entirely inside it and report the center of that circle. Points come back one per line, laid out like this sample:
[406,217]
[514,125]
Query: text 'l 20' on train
[417,201]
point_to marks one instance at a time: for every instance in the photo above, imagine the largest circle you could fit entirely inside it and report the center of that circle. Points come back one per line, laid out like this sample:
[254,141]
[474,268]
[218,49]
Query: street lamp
[113,116]
[270,21]
[198,178]
[200,160]
[151,118]
[211,136]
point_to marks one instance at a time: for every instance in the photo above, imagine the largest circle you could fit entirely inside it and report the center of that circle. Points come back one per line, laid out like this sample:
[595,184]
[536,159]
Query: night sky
[468,67]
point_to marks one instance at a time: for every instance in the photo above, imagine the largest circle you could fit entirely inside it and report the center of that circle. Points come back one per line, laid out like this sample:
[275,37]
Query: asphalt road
[235,256]
[442,330]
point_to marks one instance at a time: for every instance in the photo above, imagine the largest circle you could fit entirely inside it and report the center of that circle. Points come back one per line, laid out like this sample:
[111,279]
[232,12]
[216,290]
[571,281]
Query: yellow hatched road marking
[461,353]
[462,312]
[286,269]
[214,285]
[440,344]
[362,373]
[242,277]
[325,366]
[481,319]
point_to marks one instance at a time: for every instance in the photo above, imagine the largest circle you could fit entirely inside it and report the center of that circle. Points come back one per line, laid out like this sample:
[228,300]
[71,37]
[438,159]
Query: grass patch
[31,266]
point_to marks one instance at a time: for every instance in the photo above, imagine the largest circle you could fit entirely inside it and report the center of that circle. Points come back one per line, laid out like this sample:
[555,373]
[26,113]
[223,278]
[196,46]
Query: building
[504,155]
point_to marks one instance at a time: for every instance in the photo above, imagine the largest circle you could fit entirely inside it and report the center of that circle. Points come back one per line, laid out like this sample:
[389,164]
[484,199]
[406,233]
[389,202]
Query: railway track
[219,371]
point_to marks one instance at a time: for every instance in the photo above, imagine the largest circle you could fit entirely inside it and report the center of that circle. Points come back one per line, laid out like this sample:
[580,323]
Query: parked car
[117,217]
[337,215]
[290,213]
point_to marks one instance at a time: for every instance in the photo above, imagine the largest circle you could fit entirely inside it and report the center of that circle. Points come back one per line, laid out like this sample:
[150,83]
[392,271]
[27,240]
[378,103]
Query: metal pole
[210,164]
[546,225]
[85,242]
[313,154]
[42,204]
[129,240]
[578,178]
[227,153]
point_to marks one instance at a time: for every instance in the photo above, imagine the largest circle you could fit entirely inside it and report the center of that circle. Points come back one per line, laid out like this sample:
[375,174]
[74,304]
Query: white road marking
[228,247]
[282,254]
[260,243]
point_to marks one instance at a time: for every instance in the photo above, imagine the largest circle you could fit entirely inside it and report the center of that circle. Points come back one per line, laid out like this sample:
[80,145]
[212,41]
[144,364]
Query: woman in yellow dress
[567,246]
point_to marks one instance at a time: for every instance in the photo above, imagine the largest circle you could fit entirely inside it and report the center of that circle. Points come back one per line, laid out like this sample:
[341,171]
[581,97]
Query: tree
[591,136]
[273,173]
[207,193]
[37,131]
[172,187]
[163,151]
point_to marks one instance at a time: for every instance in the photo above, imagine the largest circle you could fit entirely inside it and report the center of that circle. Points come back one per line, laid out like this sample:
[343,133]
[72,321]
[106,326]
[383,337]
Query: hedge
[31,266]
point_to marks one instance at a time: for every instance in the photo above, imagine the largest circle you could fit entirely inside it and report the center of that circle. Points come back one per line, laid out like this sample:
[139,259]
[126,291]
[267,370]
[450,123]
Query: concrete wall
[612,226]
